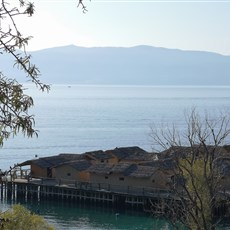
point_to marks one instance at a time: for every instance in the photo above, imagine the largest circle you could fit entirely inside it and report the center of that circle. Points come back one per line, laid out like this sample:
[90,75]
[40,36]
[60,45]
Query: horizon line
[133,46]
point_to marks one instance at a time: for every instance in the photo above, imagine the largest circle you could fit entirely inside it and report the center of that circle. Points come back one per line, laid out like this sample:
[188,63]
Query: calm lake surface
[71,216]
[76,119]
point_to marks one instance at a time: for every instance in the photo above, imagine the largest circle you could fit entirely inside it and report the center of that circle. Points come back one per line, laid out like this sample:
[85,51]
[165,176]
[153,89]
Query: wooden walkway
[118,196]
[40,189]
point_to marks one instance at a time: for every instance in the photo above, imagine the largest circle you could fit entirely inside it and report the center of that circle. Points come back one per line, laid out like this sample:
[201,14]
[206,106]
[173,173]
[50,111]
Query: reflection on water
[71,216]
[79,216]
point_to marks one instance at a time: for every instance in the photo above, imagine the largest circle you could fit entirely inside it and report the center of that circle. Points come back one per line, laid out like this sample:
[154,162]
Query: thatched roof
[49,162]
[143,171]
[125,153]
[80,165]
[132,154]
[98,155]
[123,168]
[100,168]
[165,164]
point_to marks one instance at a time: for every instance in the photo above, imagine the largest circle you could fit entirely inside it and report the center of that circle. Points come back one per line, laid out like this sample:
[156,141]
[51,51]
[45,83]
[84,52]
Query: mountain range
[139,65]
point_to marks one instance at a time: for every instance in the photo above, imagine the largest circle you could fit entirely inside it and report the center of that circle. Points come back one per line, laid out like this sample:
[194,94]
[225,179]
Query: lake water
[75,119]
[69,216]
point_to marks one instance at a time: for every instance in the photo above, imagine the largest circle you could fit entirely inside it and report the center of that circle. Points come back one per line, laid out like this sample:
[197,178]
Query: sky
[188,25]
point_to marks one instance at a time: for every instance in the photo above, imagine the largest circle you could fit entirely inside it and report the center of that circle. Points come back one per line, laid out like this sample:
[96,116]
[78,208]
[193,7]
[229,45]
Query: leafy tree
[199,155]
[14,103]
[20,218]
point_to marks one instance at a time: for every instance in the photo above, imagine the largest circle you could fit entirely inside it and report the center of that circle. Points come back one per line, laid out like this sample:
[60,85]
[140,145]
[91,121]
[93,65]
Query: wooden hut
[42,167]
[100,156]
[73,171]
[126,175]
[132,155]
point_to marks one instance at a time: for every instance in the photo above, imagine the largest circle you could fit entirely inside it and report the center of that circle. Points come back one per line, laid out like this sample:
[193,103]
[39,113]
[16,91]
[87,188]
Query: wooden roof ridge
[164,164]
[123,168]
[133,152]
[42,161]
[100,168]
[71,155]
[143,171]
[80,165]
[49,161]
[98,155]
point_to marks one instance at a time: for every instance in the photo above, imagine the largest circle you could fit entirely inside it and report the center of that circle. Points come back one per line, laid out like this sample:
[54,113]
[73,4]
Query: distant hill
[144,65]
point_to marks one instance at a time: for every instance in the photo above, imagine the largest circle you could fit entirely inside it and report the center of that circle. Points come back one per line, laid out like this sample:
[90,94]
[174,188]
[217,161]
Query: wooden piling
[40,191]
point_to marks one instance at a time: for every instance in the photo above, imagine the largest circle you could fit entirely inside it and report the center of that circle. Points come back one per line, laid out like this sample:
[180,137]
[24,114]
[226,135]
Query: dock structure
[122,177]
[117,196]
[115,177]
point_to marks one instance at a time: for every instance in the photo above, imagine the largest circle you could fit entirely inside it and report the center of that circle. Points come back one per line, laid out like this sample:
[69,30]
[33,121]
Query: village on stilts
[126,177]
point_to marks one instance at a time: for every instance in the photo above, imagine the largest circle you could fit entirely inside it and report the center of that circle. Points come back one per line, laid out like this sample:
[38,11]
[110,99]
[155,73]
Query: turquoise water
[65,215]
[74,216]
[75,119]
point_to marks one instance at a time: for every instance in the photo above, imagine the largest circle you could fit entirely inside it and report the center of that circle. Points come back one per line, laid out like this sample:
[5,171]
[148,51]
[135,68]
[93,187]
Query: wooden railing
[108,187]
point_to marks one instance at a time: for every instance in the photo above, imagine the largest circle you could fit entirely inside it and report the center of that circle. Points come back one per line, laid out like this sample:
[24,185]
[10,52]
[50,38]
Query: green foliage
[14,106]
[197,155]
[20,218]
[195,173]
[14,103]
[13,42]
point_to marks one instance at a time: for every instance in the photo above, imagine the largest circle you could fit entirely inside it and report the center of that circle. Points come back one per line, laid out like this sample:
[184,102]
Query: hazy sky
[188,25]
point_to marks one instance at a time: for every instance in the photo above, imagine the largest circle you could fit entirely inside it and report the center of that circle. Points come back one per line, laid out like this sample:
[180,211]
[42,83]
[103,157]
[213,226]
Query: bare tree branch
[198,172]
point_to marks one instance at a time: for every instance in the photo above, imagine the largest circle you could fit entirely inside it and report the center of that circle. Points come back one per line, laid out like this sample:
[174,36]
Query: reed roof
[80,165]
[98,155]
[143,171]
[132,154]
[52,161]
[100,168]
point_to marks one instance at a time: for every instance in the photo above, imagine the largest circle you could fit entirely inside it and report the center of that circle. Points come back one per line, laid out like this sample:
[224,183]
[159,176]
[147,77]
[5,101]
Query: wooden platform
[42,189]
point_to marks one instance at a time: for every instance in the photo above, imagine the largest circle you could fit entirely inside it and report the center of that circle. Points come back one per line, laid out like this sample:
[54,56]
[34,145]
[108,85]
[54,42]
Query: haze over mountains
[143,65]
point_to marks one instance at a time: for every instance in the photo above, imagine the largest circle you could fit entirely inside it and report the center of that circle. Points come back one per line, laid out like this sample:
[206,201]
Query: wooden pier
[116,196]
